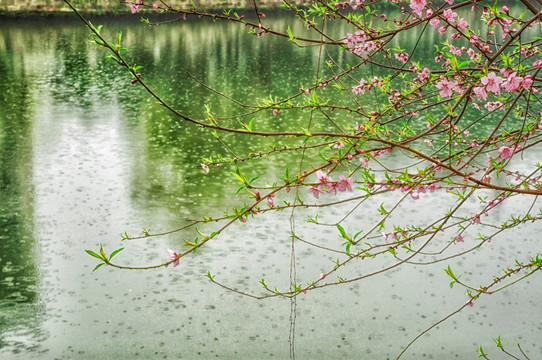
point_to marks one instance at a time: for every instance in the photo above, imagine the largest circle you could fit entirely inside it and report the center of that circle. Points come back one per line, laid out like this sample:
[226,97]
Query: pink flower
[344,184]
[205,167]
[472,54]
[323,177]
[454,50]
[434,22]
[428,142]
[423,75]
[322,276]
[450,1]
[442,30]
[363,161]
[446,87]
[513,83]
[462,24]
[418,6]
[506,152]
[270,200]
[449,15]
[315,191]
[275,112]
[480,93]
[459,238]
[527,82]
[360,89]
[476,219]
[486,179]
[359,127]
[494,105]
[492,83]
[402,57]
[173,256]
[155,6]
[133,7]
[415,195]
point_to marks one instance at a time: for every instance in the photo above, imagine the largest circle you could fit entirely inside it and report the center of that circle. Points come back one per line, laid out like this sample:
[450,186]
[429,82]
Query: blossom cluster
[326,184]
[134,7]
[359,43]
[490,83]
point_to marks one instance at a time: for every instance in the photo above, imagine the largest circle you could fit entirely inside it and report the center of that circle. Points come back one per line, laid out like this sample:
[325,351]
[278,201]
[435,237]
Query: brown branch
[530,6]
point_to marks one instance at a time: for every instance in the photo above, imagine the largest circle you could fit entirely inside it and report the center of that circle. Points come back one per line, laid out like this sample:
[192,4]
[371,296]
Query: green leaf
[498,342]
[450,273]
[98,266]
[290,35]
[343,233]
[481,352]
[92,253]
[115,253]
[238,177]
[114,59]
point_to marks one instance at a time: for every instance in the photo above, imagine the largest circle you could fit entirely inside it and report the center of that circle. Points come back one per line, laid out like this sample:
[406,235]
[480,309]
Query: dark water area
[85,156]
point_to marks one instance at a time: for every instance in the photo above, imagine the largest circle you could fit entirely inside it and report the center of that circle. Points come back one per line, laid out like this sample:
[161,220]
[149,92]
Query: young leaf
[102,252]
[98,266]
[115,253]
[343,233]
[92,253]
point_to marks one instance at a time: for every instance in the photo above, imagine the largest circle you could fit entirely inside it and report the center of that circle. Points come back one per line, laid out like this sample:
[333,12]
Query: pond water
[85,156]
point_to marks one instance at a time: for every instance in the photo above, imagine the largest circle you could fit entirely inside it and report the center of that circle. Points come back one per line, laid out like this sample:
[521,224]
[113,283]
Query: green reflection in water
[18,269]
